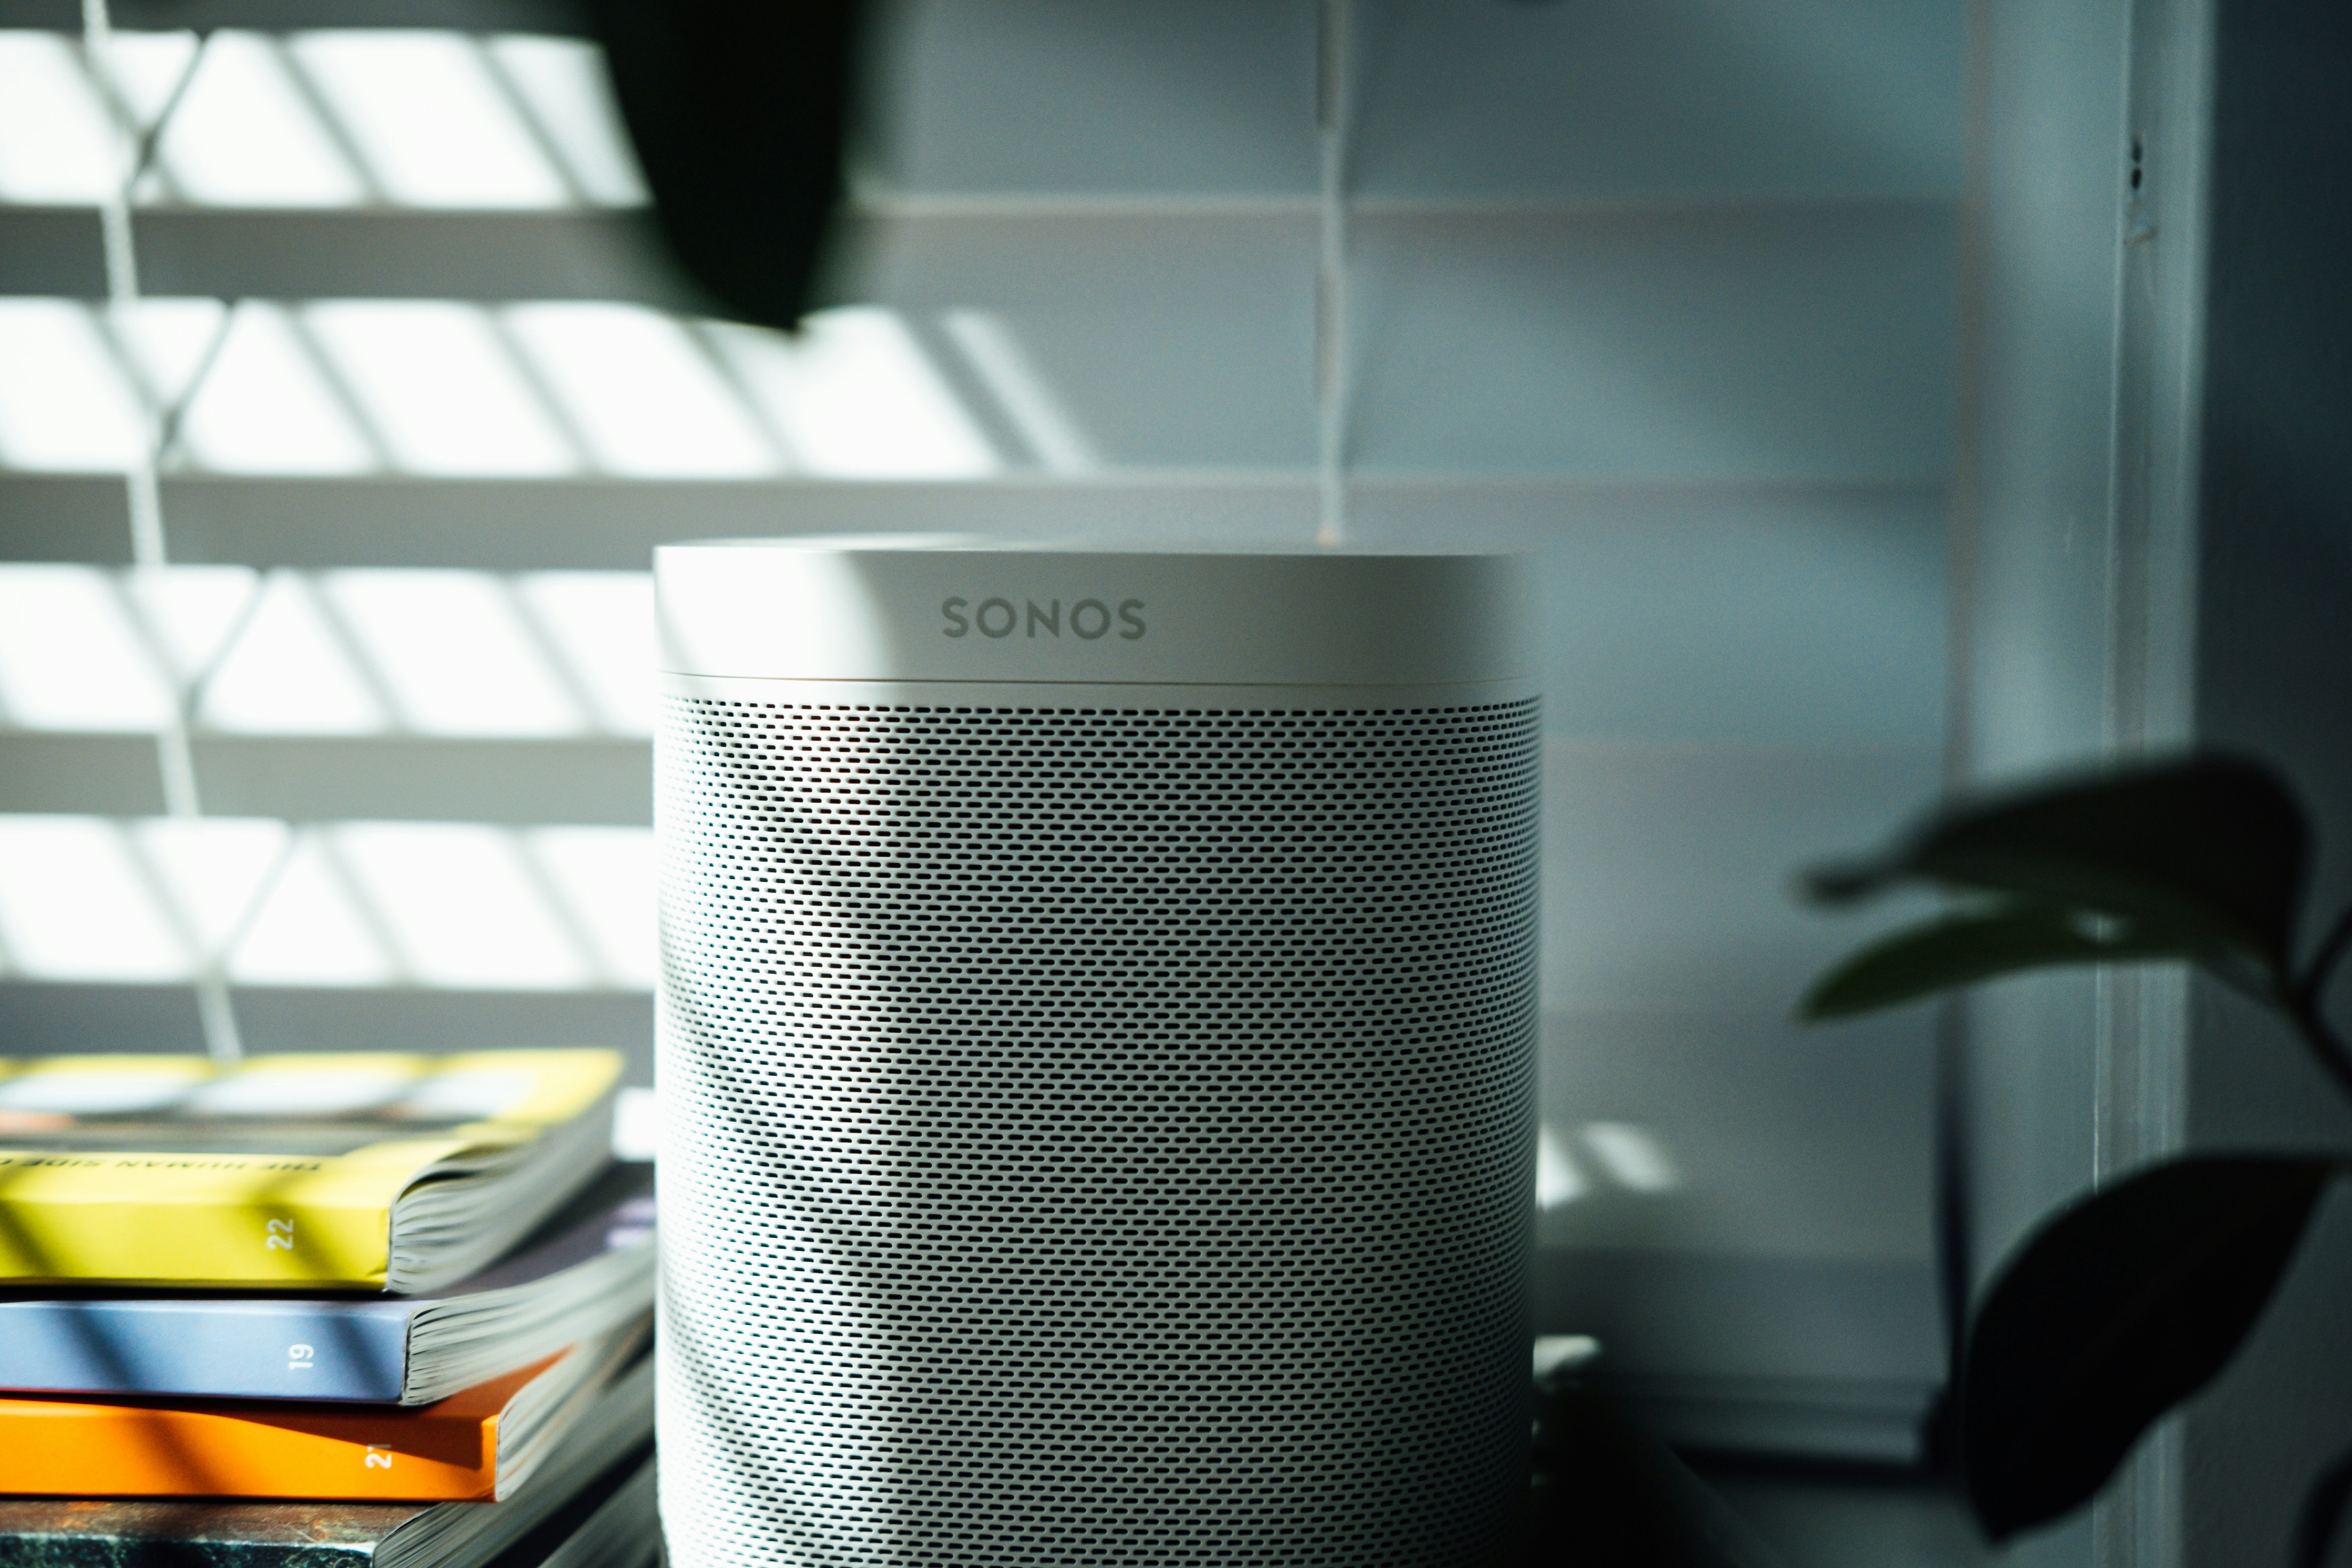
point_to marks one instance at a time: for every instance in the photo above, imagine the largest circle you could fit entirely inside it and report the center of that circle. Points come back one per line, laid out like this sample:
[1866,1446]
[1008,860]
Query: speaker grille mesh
[1095,1137]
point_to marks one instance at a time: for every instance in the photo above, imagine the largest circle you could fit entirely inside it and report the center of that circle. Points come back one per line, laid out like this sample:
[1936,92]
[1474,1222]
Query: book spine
[229,1219]
[206,1350]
[58,1447]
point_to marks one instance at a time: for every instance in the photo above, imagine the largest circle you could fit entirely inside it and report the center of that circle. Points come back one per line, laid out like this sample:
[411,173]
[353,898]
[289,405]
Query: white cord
[175,760]
[1333,107]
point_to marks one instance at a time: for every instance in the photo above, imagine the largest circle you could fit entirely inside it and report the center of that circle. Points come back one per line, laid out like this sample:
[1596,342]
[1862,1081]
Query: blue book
[590,1269]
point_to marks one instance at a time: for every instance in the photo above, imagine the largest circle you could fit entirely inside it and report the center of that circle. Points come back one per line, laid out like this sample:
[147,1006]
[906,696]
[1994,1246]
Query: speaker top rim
[981,544]
[939,608]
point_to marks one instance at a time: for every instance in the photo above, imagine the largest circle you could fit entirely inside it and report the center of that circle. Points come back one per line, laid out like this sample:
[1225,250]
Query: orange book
[475,1445]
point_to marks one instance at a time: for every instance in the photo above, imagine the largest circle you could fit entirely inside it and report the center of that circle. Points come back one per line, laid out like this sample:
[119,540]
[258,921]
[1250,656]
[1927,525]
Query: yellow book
[351,1169]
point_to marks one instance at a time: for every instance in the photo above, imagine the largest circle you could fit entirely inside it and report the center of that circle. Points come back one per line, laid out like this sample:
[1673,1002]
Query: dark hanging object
[738,112]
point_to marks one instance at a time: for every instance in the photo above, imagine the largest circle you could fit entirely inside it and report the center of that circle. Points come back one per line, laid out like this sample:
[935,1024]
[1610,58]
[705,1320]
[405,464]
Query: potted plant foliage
[2127,1301]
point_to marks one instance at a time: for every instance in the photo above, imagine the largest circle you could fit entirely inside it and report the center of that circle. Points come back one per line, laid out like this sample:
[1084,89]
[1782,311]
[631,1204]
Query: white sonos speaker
[1096,1054]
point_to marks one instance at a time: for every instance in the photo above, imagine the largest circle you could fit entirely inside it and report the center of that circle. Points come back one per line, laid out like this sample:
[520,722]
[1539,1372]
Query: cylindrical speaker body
[1095,1056]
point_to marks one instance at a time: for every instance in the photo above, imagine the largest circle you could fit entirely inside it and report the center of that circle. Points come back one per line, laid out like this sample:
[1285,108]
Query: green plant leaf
[2211,849]
[1964,949]
[2112,1313]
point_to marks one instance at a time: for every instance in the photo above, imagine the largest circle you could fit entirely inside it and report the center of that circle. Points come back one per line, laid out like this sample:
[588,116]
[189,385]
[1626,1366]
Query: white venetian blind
[323,615]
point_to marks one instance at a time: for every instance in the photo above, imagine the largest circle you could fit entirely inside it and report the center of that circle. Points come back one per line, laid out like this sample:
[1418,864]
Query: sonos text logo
[1087,620]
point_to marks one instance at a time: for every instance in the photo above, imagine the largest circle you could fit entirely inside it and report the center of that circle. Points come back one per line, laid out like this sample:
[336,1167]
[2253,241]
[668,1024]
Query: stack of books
[323,1308]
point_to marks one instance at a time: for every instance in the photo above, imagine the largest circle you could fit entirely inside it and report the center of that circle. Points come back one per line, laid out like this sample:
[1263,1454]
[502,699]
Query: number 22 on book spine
[281,1235]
